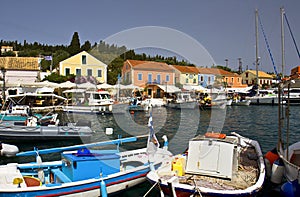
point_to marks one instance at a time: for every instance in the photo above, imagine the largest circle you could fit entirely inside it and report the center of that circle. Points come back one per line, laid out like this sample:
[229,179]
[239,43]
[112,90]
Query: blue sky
[225,28]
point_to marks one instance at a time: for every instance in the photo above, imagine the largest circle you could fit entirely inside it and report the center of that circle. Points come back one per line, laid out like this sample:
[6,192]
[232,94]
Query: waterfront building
[84,64]
[249,77]
[20,70]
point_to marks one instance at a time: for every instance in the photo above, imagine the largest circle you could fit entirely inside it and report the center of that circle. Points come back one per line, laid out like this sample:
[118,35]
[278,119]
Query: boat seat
[60,175]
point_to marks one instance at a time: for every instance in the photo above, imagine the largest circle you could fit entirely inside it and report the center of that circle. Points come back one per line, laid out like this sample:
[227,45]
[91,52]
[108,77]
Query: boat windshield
[101,96]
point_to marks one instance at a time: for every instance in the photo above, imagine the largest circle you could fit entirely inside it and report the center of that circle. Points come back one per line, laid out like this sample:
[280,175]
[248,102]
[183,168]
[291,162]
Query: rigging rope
[268,46]
[287,22]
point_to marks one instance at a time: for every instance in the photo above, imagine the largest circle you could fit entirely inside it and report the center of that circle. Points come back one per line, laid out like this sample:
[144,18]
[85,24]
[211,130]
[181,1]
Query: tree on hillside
[86,46]
[74,46]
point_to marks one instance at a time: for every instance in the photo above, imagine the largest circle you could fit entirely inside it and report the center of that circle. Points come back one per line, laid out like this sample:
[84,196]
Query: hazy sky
[225,28]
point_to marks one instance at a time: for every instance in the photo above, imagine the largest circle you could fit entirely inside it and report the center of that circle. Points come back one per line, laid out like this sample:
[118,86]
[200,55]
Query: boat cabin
[89,98]
[86,164]
[213,157]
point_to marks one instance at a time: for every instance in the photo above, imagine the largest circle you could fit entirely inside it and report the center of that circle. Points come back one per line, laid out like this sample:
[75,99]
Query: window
[247,75]
[201,78]
[83,59]
[158,79]
[238,79]
[67,71]
[89,72]
[99,74]
[140,76]
[187,80]
[231,79]
[149,78]
[78,72]
[167,78]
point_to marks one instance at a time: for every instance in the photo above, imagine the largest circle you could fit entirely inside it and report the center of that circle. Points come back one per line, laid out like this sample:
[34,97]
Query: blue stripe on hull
[52,191]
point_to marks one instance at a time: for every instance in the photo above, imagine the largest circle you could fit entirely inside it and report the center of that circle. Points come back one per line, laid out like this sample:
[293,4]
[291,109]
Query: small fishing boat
[82,170]
[34,128]
[182,100]
[21,113]
[215,164]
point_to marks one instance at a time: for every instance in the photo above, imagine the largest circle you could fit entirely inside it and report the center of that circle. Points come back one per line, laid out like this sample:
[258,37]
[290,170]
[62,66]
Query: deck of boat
[246,175]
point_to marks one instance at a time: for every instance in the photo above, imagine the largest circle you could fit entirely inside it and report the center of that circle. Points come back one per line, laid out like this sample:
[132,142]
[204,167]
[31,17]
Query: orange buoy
[215,135]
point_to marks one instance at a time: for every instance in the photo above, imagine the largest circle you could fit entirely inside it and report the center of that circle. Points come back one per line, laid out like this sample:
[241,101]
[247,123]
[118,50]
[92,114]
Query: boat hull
[183,105]
[9,132]
[89,188]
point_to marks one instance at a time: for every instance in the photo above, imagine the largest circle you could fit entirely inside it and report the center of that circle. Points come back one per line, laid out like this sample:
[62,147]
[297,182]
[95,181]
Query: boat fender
[166,143]
[40,171]
[277,171]
[290,189]
[269,158]
[103,187]
[272,156]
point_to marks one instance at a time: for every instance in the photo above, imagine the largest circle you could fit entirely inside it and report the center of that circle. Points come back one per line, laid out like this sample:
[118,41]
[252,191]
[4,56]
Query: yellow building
[249,78]
[186,75]
[84,64]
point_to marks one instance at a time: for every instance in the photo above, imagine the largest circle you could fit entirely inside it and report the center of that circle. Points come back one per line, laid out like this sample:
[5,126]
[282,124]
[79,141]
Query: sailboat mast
[256,48]
[282,42]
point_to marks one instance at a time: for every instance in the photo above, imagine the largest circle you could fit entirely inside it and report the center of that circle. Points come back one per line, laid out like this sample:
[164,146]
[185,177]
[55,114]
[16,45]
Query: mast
[256,48]
[282,41]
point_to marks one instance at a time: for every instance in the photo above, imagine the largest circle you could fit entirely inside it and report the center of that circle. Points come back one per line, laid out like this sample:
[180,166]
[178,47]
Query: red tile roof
[149,65]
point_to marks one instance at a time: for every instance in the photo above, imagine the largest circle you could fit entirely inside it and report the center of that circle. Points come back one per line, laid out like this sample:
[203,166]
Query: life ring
[215,135]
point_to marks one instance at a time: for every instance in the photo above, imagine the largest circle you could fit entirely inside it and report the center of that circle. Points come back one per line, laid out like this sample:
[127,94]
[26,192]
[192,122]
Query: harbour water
[256,122]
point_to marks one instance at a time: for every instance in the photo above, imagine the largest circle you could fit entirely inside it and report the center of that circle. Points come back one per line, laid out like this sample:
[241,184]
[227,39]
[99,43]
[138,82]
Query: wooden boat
[81,171]
[214,165]
[83,101]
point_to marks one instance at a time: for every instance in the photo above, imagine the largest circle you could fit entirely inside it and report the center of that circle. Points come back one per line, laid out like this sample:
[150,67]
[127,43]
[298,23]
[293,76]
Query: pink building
[143,73]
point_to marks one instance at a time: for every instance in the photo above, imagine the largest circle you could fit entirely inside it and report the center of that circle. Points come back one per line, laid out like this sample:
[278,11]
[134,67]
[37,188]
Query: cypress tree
[74,47]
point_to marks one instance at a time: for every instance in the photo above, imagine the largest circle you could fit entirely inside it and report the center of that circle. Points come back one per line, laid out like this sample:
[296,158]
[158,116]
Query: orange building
[140,73]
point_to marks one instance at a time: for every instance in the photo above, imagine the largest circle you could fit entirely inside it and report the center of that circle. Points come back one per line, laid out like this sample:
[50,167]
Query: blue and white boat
[21,113]
[82,171]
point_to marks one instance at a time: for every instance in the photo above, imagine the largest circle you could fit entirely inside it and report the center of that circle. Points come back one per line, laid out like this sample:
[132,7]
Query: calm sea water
[256,122]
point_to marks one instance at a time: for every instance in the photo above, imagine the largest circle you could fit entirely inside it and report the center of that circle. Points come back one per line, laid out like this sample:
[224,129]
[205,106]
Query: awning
[195,88]
[169,88]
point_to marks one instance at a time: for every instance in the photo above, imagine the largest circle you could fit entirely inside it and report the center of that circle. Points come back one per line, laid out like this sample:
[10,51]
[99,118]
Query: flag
[153,143]
[48,58]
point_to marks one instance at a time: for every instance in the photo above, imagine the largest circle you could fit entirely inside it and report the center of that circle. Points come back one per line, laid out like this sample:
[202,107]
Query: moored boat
[182,100]
[83,101]
[82,170]
[34,128]
[214,165]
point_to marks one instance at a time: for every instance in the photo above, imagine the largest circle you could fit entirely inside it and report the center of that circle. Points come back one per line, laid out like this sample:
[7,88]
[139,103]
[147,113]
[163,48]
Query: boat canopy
[169,88]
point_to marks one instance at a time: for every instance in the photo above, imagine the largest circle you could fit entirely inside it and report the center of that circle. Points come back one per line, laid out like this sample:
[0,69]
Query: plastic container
[178,166]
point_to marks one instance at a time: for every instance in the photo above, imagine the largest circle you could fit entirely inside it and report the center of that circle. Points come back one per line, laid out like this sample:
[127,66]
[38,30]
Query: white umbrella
[67,84]
[87,85]
[45,84]
[104,86]
[131,86]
